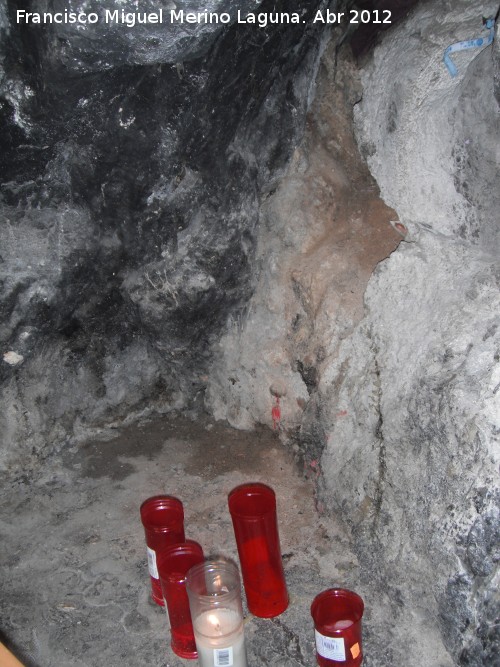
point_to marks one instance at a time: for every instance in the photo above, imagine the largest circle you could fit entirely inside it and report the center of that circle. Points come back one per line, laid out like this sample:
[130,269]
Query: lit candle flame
[213,619]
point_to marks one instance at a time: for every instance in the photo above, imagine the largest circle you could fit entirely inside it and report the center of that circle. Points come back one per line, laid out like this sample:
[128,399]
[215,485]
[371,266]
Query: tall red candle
[173,565]
[253,512]
[163,521]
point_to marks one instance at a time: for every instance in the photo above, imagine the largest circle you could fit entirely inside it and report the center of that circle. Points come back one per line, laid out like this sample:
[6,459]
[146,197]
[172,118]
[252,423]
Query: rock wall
[164,236]
[324,230]
[122,36]
[131,181]
[428,505]
[413,462]
[393,401]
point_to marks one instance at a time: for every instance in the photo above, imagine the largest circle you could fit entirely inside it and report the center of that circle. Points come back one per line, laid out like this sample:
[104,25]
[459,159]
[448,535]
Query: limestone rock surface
[397,416]
[411,459]
[324,230]
[412,401]
[435,130]
[130,194]
[119,32]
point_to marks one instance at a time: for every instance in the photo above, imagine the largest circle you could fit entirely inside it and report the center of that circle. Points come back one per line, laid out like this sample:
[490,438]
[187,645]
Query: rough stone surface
[459,117]
[400,421]
[496,64]
[131,201]
[325,229]
[413,461]
[121,36]
[76,591]
[133,227]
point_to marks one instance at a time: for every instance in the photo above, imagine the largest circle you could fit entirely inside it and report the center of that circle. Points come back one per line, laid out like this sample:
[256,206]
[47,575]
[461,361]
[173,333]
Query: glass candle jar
[337,617]
[173,564]
[163,521]
[214,592]
[253,513]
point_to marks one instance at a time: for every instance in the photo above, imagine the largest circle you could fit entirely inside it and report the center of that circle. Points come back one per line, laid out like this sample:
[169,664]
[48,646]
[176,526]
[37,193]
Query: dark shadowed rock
[106,34]
[131,197]
[496,64]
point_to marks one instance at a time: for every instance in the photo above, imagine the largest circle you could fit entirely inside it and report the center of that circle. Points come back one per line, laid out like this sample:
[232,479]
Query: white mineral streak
[13,358]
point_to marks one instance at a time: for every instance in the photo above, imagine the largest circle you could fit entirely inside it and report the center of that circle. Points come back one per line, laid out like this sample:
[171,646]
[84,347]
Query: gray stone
[128,33]
[132,201]
[155,251]
[483,543]
[414,467]
[459,117]
[317,248]
[397,412]
[421,428]
[496,65]
[80,595]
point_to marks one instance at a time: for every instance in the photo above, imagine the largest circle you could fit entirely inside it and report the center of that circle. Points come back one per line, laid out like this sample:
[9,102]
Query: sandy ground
[75,587]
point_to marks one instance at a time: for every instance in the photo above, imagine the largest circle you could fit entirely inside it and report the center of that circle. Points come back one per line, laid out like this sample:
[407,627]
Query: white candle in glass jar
[220,640]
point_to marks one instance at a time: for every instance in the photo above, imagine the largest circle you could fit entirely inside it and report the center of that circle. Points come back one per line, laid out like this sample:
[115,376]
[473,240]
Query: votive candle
[214,592]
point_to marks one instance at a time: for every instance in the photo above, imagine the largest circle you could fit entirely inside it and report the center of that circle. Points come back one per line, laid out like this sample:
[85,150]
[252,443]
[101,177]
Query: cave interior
[251,250]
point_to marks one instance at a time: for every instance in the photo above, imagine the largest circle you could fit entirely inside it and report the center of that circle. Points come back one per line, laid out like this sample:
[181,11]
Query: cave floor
[75,587]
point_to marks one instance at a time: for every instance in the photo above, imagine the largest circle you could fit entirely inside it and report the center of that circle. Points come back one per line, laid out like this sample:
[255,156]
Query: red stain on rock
[276,413]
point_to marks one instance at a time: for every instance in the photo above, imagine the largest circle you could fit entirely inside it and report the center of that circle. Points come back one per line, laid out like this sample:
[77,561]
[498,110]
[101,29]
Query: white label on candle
[153,570]
[330,647]
[223,657]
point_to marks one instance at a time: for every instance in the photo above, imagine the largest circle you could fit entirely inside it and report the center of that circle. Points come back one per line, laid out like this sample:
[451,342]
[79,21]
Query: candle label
[223,657]
[330,647]
[153,570]
[355,650]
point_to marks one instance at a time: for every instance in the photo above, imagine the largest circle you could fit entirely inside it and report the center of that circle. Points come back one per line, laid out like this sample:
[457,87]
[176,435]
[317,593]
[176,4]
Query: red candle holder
[174,562]
[337,615]
[163,521]
[253,512]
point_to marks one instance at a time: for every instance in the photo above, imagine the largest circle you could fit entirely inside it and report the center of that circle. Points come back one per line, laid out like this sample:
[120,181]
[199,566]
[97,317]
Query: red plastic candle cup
[173,565]
[253,512]
[163,521]
[337,617]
